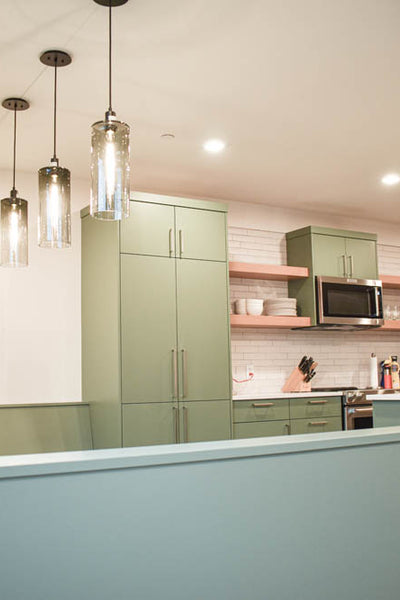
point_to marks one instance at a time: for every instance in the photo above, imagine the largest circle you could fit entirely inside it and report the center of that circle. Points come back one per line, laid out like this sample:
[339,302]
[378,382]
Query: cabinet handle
[180,243]
[288,428]
[317,401]
[262,404]
[176,422]
[318,423]
[175,373]
[185,424]
[171,243]
[351,266]
[184,373]
[344,265]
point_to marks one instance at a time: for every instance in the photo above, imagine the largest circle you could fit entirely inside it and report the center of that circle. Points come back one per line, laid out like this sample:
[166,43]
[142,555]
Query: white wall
[40,348]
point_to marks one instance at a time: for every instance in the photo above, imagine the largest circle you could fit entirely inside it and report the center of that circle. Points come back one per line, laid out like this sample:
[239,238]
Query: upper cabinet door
[148,329]
[200,234]
[203,330]
[329,255]
[148,230]
[361,258]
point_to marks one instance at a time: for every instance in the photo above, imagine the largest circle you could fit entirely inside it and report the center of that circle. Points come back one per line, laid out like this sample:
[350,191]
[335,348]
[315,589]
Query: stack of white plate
[281,306]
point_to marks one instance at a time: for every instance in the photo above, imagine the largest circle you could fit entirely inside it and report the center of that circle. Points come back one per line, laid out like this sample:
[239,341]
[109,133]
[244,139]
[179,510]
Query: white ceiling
[305,92]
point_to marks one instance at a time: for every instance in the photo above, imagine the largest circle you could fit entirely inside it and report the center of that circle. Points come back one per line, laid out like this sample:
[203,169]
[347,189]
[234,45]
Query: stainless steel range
[357,410]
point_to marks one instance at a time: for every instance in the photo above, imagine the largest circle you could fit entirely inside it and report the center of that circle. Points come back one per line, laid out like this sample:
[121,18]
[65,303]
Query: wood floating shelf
[260,271]
[272,322]
[390,326]
[390,281]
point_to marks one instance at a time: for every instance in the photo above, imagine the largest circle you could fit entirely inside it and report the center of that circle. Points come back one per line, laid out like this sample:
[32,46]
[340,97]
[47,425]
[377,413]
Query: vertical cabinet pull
[176,423]
[180,243]
[287,425]
[185,424]
[171,243]
[174,374]
[344,265]
[351,266]
[184,373]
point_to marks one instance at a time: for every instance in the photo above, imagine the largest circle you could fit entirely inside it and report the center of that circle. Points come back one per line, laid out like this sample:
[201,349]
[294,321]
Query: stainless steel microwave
[354,303]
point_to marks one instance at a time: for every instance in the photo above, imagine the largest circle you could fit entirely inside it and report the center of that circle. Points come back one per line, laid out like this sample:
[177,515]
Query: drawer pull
[317,401]
[318,423]
[262,404]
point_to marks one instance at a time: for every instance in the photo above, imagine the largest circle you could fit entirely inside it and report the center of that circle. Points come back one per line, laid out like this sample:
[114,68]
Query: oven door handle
[369,409]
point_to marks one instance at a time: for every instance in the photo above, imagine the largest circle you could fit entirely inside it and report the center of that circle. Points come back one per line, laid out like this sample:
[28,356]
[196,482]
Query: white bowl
[240,306]
[254,306]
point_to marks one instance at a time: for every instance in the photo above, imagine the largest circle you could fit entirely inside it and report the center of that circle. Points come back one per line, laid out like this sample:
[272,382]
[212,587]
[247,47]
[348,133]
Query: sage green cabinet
[261,429]
[330,253]
[315,425]
[155,323]
[362,258]
[149,229]
[339,256]
[148,328]
[200,234]
[205,421]
[203,330]
[149,424]
[283,416]
[327,406]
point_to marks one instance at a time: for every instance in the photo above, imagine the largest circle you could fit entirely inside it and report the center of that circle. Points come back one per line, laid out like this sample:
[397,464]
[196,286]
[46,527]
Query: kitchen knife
[309,376]
[301,363]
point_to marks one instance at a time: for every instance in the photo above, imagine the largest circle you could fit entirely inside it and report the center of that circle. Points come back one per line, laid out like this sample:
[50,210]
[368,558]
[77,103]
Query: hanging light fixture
[109,198]
[14,210]
[54,181]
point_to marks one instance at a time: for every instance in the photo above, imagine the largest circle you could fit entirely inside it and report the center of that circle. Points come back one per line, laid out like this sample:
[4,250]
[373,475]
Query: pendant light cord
[55,115]
[15,146]
[109,57]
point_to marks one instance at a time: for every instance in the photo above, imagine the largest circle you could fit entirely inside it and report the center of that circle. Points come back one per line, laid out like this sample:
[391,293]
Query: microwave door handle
[377,304]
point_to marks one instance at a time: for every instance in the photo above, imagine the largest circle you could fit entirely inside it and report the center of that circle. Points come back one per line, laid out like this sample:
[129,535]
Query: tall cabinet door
[200,234]
[203,338]
[149,230]
[148,329]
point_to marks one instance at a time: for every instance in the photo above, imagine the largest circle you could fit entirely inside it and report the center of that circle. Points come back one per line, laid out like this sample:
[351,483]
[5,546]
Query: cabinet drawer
[328,406]
[263,429]
[315,425]
[245,411]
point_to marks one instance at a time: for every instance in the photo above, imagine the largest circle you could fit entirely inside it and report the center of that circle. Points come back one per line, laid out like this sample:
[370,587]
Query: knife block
[295,382]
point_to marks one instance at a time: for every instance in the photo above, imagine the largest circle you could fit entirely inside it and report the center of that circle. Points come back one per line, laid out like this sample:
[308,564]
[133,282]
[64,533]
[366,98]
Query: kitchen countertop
[382,397]
[259,396]
[36,404]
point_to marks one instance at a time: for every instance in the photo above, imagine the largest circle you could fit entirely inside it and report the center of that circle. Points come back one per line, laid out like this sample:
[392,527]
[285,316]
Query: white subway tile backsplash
[343,357]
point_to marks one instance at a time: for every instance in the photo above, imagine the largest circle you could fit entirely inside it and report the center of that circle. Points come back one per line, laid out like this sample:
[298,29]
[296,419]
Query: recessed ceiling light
[214,146]
[391,179]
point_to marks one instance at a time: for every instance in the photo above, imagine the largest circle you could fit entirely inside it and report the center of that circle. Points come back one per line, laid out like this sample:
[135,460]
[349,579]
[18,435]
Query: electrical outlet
[249,371]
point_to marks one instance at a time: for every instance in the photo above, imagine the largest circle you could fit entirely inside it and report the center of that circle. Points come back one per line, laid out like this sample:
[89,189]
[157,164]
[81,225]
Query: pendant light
[54,181]
[14,210]
[109,198]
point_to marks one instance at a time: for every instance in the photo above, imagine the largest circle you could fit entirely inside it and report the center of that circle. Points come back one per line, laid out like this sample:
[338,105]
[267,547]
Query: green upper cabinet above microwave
[334,252]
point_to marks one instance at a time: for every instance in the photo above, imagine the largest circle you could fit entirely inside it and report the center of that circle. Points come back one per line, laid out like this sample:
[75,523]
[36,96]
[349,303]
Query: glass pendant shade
[14,232]
[55,207]
[110,162]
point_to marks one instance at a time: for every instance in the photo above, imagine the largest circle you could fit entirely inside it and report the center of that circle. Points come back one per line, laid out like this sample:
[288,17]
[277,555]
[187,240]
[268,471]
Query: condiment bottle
[395,373]
[387,376]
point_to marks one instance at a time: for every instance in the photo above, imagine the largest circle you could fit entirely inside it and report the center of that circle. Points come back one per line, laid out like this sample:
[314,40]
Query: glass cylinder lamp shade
[55,207]
[14,232]
[110,165]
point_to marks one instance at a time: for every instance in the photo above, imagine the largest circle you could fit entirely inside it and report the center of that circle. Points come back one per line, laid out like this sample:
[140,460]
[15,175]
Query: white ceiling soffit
[306,95]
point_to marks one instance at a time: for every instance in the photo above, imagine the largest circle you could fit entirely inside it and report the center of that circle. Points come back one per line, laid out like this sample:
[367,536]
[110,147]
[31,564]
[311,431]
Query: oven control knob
[351,398]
